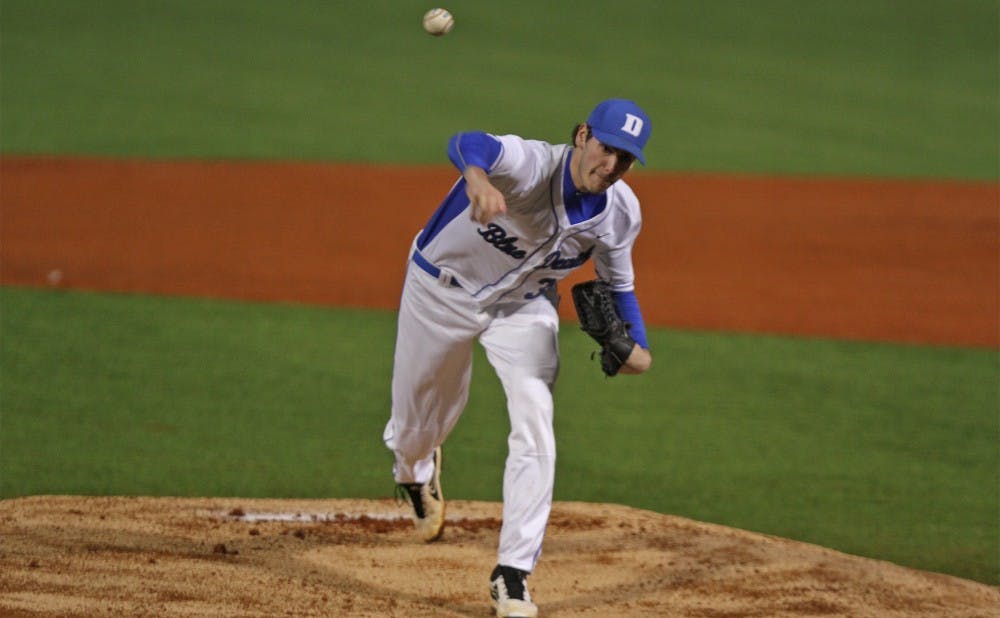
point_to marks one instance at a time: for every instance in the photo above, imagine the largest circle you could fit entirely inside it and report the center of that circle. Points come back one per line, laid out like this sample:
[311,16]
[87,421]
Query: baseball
[438,22]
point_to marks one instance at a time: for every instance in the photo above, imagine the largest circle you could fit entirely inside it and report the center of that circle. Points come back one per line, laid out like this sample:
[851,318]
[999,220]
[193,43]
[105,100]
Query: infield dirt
[72,556]
[910,261]
[897,260]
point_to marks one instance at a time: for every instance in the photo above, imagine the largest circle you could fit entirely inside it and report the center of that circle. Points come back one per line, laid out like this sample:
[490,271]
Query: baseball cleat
[510,593]
[428,503]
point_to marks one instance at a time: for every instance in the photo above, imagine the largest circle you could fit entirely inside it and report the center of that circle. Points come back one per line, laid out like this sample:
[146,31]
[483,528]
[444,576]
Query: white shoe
[510,593]
[428,503]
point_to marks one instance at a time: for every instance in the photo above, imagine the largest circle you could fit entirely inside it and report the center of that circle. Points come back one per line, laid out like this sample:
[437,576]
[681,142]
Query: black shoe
[428,503]
[510,593]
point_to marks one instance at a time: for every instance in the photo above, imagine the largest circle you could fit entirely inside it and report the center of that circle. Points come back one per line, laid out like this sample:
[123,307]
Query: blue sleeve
[473,148]
[628,308]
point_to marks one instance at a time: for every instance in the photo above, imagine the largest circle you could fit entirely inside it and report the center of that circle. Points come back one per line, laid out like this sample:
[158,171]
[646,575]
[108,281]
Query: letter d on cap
[633,125]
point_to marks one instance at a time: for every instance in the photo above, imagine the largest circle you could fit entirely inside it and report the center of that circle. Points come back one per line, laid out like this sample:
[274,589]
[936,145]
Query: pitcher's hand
[486,201]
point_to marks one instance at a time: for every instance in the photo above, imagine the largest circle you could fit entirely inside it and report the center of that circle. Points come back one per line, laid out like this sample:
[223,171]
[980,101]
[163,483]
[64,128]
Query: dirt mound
[77,556]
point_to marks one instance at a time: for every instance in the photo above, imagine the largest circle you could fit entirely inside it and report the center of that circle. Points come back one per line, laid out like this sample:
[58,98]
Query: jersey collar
[580,206]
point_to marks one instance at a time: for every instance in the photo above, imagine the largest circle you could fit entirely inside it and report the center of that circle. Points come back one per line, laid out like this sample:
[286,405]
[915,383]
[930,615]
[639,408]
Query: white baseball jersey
[519,255]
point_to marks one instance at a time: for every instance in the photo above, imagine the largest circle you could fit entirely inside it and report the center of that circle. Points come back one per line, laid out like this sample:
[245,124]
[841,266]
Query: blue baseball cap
[621,124]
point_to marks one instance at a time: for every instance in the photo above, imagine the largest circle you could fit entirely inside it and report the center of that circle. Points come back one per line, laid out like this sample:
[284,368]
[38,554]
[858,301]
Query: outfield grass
[880,450]
[879,87]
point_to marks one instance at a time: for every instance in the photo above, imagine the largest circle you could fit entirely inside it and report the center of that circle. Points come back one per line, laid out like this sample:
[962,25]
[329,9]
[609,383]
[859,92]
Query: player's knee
[532,433]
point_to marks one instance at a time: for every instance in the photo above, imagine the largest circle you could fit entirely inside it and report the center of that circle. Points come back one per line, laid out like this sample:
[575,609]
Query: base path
[909,261]
[72,556]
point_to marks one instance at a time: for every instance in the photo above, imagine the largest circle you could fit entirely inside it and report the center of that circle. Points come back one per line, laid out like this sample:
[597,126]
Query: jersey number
[547,284]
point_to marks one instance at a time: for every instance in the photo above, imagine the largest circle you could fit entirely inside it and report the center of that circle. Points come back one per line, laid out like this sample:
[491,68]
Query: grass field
[878,450]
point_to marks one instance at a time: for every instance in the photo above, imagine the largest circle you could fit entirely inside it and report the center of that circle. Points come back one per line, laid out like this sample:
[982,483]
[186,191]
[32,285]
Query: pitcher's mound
[72,556]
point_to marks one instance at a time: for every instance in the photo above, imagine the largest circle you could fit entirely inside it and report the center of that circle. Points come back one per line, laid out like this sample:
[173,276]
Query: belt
[431,269]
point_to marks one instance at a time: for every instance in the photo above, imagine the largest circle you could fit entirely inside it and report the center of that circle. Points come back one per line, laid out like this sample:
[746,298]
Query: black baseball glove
[599,318]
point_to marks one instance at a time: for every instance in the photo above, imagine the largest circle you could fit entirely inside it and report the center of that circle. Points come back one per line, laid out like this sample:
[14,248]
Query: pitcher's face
[597,166]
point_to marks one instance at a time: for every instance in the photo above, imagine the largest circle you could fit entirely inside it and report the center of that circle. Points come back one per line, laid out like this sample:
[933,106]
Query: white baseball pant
[437,326]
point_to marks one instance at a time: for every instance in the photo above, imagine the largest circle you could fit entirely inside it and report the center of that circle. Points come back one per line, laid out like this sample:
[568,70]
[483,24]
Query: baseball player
[485,267]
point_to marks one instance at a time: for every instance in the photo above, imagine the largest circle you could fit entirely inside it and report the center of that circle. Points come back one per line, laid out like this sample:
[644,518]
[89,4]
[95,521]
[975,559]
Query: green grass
[134,395]
[879,450]
[880,87]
